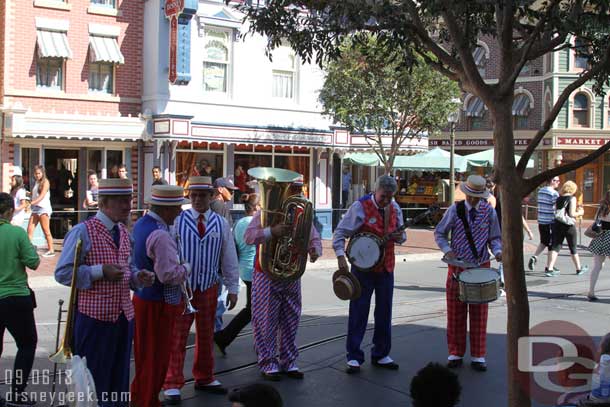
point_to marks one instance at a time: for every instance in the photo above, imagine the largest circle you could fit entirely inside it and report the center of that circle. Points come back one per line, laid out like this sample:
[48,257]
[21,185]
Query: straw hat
[475,186]
[346,286]
[200,183]
[115,186]
[167,195]
[299,182]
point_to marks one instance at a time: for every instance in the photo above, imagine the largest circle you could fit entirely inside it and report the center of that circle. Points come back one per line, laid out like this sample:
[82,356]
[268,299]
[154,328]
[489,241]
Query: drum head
[364,251]
[481,275]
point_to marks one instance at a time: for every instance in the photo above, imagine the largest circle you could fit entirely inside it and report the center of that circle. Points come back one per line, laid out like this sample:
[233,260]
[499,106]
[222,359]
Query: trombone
[64,353]
[185,287]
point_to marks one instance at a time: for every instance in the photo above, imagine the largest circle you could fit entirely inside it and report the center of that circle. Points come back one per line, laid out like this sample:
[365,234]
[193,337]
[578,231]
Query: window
[104,3]
[101,77]
[284,74]
[216,61]
[480,59]
[521,111]
[580,111]
[49,73]
[475,113]
[581,60]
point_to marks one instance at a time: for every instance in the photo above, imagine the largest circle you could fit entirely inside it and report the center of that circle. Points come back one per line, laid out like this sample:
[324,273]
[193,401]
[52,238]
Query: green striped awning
[53,44]
[105,49]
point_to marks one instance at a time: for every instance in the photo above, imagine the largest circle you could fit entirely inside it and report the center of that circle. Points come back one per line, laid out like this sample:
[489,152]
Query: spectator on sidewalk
[563,231]
[41,208]
[435,386]
[346,185]
[16,300]
[600,246]
[91,196]
[547,196]
[255,395]
[157,178]
[20,197]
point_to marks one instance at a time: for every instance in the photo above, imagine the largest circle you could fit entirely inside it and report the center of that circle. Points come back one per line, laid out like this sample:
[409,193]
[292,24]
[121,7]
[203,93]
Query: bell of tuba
[283,258]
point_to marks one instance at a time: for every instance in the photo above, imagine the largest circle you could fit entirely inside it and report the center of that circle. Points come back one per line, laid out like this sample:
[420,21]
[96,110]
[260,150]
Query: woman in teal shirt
[246,254]
[16,304]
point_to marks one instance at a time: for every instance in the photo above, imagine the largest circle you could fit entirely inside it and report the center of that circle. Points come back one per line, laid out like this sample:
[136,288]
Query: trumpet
[185,287]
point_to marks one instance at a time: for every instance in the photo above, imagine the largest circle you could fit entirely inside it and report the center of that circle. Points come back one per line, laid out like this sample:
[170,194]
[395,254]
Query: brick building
[582,126]
[70,93]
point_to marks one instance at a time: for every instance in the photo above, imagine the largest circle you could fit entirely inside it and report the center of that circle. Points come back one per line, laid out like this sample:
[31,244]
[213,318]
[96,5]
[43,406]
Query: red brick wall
[21,46]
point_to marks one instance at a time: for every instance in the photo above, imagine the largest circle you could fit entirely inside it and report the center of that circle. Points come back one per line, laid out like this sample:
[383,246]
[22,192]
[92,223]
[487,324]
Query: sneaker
[582,270]
[532,263]
[556,270]
[49,254]
[551,273]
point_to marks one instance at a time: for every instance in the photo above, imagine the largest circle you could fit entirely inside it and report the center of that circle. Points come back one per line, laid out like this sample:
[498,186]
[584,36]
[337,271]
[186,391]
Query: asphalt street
[419,337]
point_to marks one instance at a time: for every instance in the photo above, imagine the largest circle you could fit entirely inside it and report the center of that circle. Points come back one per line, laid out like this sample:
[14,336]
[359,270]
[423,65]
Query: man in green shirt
[16,303]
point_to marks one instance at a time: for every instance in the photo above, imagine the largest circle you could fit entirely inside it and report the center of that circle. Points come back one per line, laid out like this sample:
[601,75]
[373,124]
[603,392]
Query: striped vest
[202,253]
[105,300]
[480,234]
[374,223]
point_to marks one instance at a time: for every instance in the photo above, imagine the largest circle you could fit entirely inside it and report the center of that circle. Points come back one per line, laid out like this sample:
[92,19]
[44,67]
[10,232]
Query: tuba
[283,258]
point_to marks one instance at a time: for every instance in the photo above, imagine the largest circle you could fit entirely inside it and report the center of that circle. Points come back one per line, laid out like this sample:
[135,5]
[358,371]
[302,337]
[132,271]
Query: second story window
[284,74]
[101,77]
[104,3]
[52,51]
[475,112]
[521,111]
[216,61]
[49,73]
[581,60]
[580,112]
[104,54]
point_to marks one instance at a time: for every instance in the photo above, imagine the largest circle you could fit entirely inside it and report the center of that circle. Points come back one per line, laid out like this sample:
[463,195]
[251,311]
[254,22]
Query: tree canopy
[444,34]
[370,90]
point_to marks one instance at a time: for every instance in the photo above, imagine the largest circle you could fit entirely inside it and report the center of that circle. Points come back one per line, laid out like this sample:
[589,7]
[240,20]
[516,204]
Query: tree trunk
[511,188]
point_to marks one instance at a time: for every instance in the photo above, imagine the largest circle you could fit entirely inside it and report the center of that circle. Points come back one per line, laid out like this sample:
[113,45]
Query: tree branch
[557,108]
[533,183]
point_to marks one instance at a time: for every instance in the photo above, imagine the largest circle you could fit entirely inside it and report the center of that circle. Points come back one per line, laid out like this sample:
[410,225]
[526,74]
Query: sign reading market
[582,141]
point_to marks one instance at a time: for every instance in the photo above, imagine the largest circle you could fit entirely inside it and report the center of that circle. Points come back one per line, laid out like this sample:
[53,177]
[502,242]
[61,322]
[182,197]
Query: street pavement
[419,334]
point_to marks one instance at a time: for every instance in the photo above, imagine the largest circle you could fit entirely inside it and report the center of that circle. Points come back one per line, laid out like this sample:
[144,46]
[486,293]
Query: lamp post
[453,118]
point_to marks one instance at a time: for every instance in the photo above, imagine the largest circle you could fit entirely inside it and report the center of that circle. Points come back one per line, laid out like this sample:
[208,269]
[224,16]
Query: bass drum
[365,251]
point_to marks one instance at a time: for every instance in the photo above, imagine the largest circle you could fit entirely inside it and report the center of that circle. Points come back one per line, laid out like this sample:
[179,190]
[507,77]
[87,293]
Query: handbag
[595,228]
[561,215]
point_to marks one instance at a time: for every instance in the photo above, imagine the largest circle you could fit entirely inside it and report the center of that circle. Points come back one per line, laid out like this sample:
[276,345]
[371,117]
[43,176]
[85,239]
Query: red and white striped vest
[105,300]
[374,223]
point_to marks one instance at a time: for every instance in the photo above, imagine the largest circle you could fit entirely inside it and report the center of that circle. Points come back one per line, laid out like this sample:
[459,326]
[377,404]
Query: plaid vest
[105,300]
[480,234]
[374,223]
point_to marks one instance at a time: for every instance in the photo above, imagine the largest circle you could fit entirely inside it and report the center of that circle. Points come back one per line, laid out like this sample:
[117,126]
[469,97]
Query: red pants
[203,367]
[154,324]
[457,313]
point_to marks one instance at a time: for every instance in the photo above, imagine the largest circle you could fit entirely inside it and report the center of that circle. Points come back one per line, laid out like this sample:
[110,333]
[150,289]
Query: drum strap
[461,213]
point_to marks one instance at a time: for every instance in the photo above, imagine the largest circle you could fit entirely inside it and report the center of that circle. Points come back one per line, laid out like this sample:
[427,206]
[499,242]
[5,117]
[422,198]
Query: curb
[326,264]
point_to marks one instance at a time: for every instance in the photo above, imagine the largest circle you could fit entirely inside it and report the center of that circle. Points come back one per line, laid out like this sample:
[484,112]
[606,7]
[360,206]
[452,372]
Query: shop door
[336,190]
[62,171]
[591,190]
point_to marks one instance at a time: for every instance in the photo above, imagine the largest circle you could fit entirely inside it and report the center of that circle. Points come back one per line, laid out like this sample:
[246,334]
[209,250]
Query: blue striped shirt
[546,205]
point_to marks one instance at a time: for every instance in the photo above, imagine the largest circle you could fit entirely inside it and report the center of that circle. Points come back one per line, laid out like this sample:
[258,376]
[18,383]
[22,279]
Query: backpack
[562,216]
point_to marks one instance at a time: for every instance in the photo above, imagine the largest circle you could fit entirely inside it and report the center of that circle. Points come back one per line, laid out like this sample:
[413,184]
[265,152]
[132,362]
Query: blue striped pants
[276,310]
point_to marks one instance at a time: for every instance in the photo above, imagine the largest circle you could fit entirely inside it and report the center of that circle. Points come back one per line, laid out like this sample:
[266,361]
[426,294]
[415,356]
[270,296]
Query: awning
[53,44]
[521,105]
[475,108]
[436,159]
[105,49]
[486,159]
[365,159]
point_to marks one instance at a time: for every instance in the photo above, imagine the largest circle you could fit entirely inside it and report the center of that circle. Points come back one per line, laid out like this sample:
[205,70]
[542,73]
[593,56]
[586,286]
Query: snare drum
[479,285]
[365,251]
